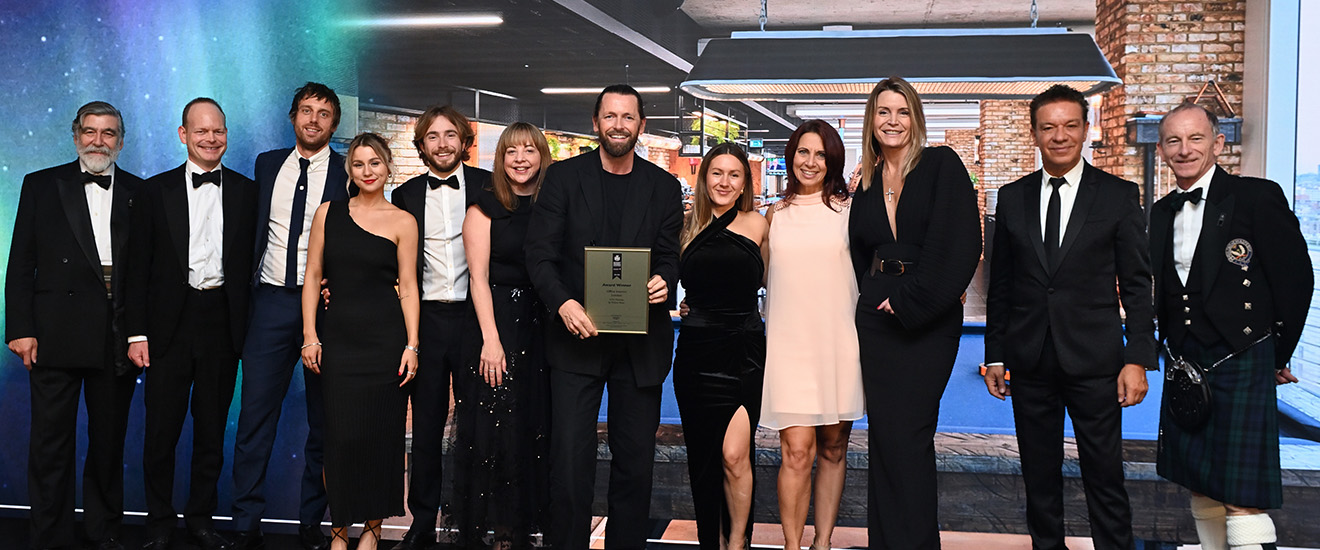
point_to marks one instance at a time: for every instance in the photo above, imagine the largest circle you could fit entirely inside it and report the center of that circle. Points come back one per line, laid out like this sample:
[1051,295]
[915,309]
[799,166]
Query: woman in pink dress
[813,381]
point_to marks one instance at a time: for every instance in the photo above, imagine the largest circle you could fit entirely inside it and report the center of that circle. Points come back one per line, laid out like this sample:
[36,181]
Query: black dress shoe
[248,540]
[109,544]
[159,542]
[312,538]
[208,539]
[416,540]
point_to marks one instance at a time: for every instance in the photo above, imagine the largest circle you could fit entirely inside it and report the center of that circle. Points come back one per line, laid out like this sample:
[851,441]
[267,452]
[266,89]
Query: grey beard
[97,163]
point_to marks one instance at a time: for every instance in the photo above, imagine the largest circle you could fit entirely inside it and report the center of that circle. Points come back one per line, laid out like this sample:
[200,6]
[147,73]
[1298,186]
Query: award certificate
[615,290]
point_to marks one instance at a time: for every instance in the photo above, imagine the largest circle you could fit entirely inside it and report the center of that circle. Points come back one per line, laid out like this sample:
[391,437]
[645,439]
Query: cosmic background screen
[149,58]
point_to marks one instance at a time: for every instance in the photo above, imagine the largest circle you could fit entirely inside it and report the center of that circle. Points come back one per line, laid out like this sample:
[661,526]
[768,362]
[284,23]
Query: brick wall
[1006,150]
[1164,51]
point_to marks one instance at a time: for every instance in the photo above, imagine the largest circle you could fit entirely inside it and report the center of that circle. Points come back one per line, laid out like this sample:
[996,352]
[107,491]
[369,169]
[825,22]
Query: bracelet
[305,346]
[412,349]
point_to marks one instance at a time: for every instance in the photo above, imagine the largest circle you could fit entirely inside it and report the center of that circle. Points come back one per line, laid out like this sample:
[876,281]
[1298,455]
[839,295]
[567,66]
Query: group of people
[474,280]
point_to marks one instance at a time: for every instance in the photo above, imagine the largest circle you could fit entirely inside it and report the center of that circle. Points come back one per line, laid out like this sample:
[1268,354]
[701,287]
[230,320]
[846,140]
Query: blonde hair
[916,129]
[374,142]
[518,133]
[701,216]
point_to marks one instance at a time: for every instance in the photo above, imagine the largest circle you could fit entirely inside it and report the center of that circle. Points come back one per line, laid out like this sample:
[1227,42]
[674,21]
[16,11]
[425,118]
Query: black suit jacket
[411,197]
[157,282]
[1104,245]
[1279,272]
[337,187]
[569,215]
[54,287]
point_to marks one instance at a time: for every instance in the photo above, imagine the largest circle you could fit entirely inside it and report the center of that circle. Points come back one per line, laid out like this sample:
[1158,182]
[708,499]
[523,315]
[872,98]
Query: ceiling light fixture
[429,21]
[940,64]
[640,89]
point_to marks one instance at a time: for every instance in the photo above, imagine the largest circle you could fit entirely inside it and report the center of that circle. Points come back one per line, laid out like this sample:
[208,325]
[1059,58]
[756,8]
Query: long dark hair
[835,187]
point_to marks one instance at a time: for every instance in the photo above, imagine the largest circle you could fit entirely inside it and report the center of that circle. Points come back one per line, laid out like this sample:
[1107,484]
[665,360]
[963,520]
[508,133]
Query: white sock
[1250,532]
[1211,527]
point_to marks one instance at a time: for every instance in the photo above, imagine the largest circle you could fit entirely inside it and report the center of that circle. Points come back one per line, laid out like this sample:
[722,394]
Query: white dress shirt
[281,209]
[444,267]
[1187,227]
[1067,196]
[206,232]
[99,205]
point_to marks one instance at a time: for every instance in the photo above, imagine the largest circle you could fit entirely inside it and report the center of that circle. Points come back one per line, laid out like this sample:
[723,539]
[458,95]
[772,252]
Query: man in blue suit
[290,185]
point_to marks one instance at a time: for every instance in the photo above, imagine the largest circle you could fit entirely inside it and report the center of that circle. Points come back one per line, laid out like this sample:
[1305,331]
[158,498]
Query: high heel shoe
[369,528]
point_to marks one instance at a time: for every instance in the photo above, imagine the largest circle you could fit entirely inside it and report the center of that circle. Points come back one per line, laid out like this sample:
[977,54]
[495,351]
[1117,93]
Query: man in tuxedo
[448,330]
[1233,284]
[1069,249]
[187,293]
[64,292]
[606,197]
[291,183]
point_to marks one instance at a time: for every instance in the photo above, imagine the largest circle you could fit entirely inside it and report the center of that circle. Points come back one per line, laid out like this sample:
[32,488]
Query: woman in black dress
[916,240]
[503,424]
[719,362]
[369,351]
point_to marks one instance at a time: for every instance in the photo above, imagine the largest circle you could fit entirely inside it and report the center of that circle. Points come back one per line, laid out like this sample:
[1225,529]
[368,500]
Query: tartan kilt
[1234,458]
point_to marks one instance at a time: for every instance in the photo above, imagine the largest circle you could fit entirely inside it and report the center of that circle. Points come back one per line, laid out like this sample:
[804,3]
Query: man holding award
[603,242]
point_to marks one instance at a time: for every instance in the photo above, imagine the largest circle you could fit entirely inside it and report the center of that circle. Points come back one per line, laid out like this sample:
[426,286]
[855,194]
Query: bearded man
[449,331]
[63,291]
[606,197]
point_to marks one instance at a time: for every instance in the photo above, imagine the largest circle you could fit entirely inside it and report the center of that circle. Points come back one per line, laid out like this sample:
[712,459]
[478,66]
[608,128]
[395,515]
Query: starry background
[149,58]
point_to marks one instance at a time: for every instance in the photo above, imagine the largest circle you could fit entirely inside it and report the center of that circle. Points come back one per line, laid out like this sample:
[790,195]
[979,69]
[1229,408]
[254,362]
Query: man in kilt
[1232,287]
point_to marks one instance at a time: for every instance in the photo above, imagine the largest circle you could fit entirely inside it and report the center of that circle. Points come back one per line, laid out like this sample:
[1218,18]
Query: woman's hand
[311,354]
[408,366]
[492,361]
[884,306]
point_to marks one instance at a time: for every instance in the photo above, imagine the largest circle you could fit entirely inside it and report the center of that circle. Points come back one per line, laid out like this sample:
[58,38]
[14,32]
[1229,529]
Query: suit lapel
[415,198]
[1161,227]
[74,200]
[1082,202]
[1214,228]
[634,204]
[231,200]
[120,202]
[336,179]
[1031,198]
[589,180]
[175,204]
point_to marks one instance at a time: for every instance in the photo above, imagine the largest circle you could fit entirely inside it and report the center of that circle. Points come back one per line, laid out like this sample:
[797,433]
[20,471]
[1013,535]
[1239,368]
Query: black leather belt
[890,267]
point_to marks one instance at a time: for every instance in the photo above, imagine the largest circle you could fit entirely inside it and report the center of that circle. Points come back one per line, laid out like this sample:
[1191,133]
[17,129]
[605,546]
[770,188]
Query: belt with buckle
[890,267]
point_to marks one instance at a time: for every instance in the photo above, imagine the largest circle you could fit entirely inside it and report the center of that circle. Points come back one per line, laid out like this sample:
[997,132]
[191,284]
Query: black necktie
[102,180]
[435,182]
[200,179]
[1179,198]
[296,225]
[1052,220]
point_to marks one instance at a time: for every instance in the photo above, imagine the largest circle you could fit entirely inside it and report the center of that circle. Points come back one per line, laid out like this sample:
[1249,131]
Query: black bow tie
[1179,198]
[200,179]
[102,180]
[435,182]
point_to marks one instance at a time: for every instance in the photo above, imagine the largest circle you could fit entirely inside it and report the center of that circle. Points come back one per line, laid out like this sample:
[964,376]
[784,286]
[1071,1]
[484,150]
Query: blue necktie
[296,224]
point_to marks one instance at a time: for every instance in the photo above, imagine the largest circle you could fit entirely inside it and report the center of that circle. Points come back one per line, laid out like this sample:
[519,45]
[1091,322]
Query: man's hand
[25,349]
[994,381]
[683,308]
[1282,376]
[138,354]
[658,289]
[576,320]
[1132,386]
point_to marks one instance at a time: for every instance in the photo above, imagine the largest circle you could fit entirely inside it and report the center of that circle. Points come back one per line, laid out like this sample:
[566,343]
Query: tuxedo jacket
[54,287]
[1102,260]
[1273,292]
[411,196]
[157,282]
[337,187]
[569,215]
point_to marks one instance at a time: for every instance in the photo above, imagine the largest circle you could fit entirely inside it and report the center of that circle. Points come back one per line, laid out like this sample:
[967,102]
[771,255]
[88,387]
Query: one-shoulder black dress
[719,363]
[362,334]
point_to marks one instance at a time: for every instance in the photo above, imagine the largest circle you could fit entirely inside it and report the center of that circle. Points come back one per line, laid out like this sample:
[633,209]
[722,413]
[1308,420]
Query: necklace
[889,195]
